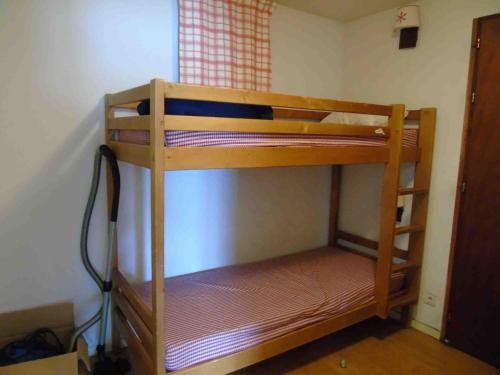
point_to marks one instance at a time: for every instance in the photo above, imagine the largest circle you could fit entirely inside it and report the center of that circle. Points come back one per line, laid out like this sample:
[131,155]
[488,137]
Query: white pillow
[356,119]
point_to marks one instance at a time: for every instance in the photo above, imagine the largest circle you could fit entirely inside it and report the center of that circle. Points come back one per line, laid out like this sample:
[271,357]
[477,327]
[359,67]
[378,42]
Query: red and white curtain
[225,43]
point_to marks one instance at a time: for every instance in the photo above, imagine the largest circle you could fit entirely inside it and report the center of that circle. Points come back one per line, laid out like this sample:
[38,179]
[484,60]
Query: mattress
[180,138]
[218,312]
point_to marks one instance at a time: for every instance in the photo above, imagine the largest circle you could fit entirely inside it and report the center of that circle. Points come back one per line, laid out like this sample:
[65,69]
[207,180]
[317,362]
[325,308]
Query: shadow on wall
[296,220]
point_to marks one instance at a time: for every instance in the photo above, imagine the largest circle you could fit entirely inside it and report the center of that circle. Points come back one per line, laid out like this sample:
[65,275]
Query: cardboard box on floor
[58,317]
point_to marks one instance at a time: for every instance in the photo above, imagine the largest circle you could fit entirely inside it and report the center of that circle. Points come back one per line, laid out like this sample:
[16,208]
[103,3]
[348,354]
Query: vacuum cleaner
[104,364]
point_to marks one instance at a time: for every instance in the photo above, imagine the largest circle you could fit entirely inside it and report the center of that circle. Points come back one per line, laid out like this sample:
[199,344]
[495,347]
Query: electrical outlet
[430,299]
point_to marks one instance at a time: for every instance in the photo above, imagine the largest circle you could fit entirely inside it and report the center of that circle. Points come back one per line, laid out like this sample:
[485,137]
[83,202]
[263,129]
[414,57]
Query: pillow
[211,109]
[356,119]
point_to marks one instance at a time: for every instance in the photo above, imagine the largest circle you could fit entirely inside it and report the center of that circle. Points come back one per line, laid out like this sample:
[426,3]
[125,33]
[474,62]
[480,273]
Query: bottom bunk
[218,312]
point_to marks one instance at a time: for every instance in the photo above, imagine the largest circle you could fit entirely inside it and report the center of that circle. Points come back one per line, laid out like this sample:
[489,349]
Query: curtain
[225,43]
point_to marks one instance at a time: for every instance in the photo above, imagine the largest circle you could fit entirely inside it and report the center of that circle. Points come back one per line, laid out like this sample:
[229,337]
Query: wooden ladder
[386,251]
[411,266]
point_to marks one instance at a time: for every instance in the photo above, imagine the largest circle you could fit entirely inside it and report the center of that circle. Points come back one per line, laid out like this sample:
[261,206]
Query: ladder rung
[409,229]
[412,191]
[405,265]
[402,298]
[399,253]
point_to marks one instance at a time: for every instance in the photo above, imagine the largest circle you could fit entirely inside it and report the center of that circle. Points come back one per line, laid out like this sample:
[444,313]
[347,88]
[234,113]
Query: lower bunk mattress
[214,313]
[178,138]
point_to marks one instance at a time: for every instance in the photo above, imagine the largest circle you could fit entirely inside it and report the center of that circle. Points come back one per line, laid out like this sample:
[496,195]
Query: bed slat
[129,123]
[410,229]
[405,266]
[410,155]
[131,153]
[362,241]
[184,158]
[412,191]
[413,115]
[303,114]
[135,94]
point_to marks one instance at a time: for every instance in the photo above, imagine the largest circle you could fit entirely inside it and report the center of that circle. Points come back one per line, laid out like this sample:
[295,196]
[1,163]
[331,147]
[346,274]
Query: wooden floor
[374,347]
[371,348]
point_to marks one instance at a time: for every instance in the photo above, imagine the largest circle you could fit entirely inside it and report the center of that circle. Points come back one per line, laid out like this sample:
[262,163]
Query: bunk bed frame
[143,327]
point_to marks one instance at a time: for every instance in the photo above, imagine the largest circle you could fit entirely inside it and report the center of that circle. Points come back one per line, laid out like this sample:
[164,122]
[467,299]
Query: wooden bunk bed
[142,324]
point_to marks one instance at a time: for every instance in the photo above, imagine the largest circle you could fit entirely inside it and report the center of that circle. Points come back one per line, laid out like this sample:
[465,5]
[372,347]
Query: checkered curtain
[225,43]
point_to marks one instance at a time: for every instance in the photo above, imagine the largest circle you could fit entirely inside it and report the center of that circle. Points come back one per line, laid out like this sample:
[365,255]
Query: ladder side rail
[388,212]
[420,202]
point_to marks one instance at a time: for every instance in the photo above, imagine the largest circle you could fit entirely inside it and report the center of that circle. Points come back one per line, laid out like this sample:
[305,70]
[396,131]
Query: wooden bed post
[156,152]
[334,204]
[109,113]
[388,212]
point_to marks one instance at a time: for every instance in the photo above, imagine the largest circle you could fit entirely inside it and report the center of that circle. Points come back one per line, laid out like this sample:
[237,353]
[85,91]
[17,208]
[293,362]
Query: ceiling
[342,10]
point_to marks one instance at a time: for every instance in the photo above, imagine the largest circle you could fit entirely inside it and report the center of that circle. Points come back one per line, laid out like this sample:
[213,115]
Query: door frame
[471,82]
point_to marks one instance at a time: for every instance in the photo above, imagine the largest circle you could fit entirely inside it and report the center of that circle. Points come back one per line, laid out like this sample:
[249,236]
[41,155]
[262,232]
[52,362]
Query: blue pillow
[210,109]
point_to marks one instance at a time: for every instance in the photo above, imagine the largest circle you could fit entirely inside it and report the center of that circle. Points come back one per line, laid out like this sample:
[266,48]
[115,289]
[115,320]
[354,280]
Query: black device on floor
[42,343]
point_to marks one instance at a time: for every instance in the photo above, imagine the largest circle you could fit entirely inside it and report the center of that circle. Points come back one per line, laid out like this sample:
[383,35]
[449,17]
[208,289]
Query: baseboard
[424,328]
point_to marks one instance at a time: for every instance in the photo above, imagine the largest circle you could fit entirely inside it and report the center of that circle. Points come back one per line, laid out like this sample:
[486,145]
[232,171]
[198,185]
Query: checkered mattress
[236,139]
[218,312]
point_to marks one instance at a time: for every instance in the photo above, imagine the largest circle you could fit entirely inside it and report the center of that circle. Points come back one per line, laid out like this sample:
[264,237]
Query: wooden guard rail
[197,123]
[177,91]
[285,103]
[286,107]
[370,244]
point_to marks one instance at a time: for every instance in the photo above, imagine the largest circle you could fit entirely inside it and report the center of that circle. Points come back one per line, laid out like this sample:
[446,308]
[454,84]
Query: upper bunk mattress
[218,312]
[180,138]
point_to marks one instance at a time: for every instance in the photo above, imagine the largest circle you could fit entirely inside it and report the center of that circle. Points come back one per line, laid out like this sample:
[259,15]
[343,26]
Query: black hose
[105,151]
[115,173]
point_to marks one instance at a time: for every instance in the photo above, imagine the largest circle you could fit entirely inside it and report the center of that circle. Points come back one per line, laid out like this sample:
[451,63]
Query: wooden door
[472,322]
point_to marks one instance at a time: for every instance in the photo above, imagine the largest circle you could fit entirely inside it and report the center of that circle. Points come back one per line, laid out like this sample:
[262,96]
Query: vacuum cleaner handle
[115,173]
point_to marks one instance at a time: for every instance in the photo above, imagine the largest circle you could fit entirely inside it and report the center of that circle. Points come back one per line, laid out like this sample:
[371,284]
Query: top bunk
[232,128]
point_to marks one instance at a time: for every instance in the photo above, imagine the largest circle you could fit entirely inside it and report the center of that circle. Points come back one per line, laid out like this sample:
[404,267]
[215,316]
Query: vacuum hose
[104,284]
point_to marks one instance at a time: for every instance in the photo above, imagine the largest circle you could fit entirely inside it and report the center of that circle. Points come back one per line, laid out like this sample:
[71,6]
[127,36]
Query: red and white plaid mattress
[176,138]
[218,312]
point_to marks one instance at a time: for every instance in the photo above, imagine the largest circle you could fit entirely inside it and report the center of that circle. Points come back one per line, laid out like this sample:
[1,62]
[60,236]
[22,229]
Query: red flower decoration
[402,17]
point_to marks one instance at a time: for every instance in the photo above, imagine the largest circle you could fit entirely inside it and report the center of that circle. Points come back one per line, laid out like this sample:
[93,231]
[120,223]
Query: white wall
[58,60]
[307,53]
[433,74]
